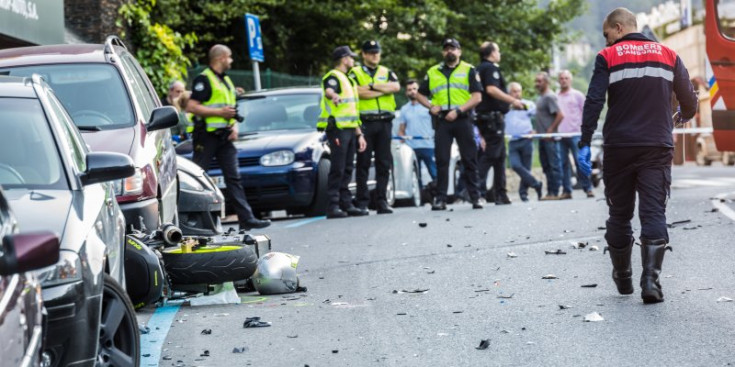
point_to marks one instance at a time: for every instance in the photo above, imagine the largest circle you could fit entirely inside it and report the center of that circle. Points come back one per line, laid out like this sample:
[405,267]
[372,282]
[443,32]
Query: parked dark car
[113,103]
[201,203]
[54,183]
[21,307]
[284,161]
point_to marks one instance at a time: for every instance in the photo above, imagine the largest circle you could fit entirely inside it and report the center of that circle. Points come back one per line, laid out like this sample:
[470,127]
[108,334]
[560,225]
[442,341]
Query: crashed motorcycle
[164,264]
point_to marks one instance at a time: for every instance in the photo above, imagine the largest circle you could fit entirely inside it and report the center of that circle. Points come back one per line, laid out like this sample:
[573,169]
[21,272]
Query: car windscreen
[28,155]
[93,94]
[278,112]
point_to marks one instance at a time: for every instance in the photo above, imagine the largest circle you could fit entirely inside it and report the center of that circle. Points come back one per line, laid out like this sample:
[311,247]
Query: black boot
[652,256]
[622,273]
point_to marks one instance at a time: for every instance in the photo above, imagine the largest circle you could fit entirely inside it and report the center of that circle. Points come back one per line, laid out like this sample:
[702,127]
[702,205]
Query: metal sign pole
[256,75]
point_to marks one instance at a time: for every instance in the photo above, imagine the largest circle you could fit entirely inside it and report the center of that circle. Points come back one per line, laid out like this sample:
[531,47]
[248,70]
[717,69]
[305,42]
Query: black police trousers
[342,144]
[494,157]
[209,145]
[378,136]
[460,129]
[631,170]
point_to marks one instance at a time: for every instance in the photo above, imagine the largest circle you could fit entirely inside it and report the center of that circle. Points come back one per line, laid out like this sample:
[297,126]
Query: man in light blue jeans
[415,121]
[520,150]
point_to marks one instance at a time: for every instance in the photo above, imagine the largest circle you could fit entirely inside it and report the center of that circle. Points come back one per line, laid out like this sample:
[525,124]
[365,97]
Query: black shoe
[622,273]
[439,204]
[502,199]
[356,212]
[254,223]
[476,204]
[652,257]
[383,208]
[539,190]
[336,213]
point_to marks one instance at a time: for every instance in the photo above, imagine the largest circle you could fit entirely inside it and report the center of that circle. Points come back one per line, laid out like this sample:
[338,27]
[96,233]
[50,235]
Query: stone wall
[92,20]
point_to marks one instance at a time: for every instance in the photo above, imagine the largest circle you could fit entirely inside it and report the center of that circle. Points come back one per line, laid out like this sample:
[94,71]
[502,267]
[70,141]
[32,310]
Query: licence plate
[219,181]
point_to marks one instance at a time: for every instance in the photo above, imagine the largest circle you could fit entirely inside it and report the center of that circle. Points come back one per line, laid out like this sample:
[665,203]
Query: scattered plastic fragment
[418,290]
[601,228]
[449,245]
[512,255]
[482,290]
[205,353]
[401,314]
[564,307]
[431,272]
[447,219]
[457,311]
[579,245]
[504,296]
[292,336]
[593,317]
[146,355]
[166,358]
[252,322]
[705,289]
[422,224]
[674,224]
[144,329]
[484,344]
[239,350]
[593,285]
[557,252]
[549,276]
[335,351]
[724,299]
[206,332]
[594,248]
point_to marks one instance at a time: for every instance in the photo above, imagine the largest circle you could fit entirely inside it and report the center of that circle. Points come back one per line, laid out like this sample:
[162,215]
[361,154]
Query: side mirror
[107,166]
[162,118]
[28,251]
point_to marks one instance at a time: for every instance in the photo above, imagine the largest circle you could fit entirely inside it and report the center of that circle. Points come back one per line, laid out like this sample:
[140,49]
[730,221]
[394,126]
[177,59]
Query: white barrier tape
[692,130]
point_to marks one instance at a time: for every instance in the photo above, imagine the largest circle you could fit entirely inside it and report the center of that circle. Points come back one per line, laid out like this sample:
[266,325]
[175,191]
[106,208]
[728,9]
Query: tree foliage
[298,36]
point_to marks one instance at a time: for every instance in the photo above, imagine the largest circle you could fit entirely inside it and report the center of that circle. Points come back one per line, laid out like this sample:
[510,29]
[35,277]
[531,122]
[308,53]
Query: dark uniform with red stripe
[639,76]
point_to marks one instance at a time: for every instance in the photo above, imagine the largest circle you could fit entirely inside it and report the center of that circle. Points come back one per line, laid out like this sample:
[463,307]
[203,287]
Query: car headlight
[277,158]
[67,270]
[132,185]
[188,182]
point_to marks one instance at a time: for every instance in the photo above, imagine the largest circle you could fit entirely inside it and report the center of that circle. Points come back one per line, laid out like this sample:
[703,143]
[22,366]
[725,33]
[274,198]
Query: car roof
[12,86]
[284,91]
[54,54]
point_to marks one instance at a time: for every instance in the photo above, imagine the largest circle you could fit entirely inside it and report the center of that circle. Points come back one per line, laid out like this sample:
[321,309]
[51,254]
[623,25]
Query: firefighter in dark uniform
[490,121]
[454,88]
[376,85]
[340,119]
[638,75]
[213,103]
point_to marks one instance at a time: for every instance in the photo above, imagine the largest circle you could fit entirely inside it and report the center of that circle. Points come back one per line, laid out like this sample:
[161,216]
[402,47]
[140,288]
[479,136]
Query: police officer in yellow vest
[340,119]
[215,128]
[375,86]
[454,88]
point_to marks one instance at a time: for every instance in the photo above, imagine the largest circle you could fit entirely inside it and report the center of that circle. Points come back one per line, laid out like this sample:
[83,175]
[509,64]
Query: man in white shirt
[520,150]
[415,122]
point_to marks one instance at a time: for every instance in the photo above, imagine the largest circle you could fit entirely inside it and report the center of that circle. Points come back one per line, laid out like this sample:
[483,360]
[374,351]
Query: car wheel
[210,264]
[119,338]
[319,204]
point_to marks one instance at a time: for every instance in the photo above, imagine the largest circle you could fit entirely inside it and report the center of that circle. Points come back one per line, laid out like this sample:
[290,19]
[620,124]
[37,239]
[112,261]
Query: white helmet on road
[276,273]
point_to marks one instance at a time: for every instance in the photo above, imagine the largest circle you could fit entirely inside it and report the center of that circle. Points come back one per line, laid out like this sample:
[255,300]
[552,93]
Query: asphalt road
[352,315]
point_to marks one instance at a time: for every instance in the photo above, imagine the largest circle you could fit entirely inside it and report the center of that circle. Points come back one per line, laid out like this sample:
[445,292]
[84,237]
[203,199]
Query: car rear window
[280,112]
[93,94]
[28,155]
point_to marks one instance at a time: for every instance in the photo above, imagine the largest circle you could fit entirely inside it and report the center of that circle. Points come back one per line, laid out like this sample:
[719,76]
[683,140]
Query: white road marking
[723,207]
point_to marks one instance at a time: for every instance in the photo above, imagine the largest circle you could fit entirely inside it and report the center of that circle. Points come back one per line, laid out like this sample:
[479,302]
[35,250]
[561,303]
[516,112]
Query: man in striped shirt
[639,76]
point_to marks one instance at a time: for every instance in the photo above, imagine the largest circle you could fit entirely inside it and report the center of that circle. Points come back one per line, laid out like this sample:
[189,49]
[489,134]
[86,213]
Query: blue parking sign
[255,41]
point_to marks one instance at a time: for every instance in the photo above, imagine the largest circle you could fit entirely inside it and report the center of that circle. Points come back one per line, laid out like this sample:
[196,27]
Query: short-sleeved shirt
[490,74]
[333,82]
[418,123]
[472,77]
[546,109]
[571,104]
[518,122]
[392,77]
[201,90]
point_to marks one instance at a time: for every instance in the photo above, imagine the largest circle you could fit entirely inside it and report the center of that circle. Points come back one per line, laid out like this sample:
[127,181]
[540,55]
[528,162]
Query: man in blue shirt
[415,122]
[520,150]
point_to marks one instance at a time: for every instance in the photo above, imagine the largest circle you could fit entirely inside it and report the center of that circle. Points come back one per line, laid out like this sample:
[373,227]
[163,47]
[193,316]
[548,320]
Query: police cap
[341,52]
[451,42]
[371,46]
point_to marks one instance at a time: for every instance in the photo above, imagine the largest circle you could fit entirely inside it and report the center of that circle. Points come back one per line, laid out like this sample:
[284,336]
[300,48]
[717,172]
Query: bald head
[617,24]
[220,58]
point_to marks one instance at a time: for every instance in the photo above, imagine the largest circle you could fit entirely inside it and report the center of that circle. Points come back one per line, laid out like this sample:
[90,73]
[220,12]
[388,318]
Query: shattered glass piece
[252,322]
[724,299]
[512,255]
[484,344]
[549,276]
[557,252]
[593,317]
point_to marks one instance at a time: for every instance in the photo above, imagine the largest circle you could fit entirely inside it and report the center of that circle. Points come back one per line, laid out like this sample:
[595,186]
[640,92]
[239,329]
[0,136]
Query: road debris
[564,307]
[252,322]
[422,224]
[335,351]
[419,291]
[724,299]
[512,255]
[484,344]
[144,329]
[549,276]
[593,317]
[292,336]
[579,245]
[504,296]
[457,311]
[431,272]
[482,290]
[557,252]
[594,248]
[593,285]
[678,222]
[239,350]
[449,245]
[401,314]
[205,353]
[206,332]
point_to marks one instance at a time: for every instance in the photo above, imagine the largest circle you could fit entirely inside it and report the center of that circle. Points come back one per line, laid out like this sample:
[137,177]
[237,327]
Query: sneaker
[590,194]
[549,197]
[439,204]
[565,196]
